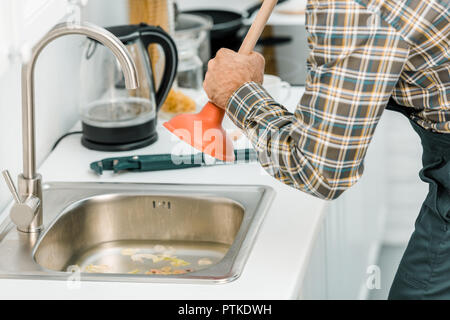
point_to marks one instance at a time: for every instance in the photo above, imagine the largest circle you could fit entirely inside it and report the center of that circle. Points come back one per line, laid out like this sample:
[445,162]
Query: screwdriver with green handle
[158,162]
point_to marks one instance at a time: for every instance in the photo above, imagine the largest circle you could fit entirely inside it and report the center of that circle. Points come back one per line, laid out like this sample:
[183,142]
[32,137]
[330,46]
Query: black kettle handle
[156,35]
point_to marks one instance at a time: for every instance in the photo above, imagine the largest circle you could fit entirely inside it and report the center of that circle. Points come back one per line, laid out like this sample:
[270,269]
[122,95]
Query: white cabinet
[347,247]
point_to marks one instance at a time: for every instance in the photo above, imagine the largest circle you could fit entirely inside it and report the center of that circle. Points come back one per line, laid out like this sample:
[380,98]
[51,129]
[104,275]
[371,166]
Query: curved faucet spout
[97,33]
[30,181]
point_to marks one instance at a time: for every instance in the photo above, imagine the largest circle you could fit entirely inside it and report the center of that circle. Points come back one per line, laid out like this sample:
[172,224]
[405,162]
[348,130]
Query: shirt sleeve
[355,62]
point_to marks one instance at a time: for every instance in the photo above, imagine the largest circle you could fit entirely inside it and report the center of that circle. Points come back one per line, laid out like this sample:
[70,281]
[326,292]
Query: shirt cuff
[245,100]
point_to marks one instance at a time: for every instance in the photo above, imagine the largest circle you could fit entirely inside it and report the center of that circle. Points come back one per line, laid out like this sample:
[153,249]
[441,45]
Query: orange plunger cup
[204,130]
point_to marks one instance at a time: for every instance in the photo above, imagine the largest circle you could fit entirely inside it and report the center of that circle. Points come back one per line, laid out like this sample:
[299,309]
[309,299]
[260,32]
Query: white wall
[57,79]
[106,12]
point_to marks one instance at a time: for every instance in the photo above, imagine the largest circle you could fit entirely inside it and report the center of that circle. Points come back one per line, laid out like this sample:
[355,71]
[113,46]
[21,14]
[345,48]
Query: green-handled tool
[158,162]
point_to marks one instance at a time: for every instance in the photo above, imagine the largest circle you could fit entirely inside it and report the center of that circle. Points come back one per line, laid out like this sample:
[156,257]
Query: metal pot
[227,24]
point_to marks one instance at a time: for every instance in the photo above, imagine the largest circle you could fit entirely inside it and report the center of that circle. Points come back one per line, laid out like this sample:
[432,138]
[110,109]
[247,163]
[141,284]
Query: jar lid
[192,24]
[187,48]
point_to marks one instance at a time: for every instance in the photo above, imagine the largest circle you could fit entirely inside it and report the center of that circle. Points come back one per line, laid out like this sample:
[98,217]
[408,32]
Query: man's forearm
[276,135]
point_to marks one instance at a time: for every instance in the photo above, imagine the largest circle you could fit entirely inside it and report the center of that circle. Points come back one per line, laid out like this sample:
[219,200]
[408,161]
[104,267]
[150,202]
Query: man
[366,56]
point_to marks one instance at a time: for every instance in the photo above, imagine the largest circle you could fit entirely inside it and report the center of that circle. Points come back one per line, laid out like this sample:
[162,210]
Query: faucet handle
[11,186]
[23,212]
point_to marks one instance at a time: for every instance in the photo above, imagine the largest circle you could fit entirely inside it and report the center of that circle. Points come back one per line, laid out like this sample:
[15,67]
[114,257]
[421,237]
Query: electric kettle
[113,117]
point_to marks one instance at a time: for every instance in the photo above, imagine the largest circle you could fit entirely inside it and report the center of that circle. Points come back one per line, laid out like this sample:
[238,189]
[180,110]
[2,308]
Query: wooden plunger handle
[252,37]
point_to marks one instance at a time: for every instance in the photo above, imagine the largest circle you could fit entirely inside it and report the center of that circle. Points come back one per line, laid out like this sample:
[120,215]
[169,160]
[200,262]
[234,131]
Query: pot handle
[250,11]
[156,35]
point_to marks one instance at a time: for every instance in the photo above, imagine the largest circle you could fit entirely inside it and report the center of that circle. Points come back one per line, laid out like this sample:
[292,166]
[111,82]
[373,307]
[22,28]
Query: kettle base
[119,138]
[119,147]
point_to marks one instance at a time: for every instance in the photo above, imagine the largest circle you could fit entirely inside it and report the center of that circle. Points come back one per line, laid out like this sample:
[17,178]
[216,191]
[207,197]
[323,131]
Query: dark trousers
[424,271]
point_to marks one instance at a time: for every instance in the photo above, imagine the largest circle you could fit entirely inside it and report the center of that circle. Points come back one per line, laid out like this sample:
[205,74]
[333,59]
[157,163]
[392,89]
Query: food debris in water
[167,255]
[157,259]
[164,270]
[163,251]
[135,271]
[167,271]
[97,268]
[171,249]
[204,262]
[179,271]
[154,271]
[139,257]
[174,261]
[129,251]
[159,248]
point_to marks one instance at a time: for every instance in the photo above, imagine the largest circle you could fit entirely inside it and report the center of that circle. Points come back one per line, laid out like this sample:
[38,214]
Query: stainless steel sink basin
[138,232]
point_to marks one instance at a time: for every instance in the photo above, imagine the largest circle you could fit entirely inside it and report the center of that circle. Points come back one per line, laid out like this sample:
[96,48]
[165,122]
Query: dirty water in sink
[149,257]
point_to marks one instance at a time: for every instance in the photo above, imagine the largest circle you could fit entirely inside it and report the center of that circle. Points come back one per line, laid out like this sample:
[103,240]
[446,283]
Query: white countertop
[274,269]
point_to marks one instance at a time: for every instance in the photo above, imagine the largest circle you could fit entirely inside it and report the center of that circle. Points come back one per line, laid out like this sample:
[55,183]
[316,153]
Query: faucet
[26,211]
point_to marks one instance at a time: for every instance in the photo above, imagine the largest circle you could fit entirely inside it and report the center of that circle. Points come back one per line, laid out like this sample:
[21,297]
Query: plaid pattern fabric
[363,52]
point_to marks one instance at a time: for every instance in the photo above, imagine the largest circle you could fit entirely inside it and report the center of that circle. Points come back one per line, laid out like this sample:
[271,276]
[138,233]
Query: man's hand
[228,71]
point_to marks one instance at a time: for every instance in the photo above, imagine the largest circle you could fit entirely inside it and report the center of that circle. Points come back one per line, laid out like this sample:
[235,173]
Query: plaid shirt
[363,52]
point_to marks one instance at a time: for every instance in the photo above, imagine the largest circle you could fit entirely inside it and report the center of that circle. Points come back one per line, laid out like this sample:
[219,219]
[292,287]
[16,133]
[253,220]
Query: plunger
[204,130]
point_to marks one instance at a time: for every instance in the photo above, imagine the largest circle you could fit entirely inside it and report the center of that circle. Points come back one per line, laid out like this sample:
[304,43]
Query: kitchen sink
[138,233]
